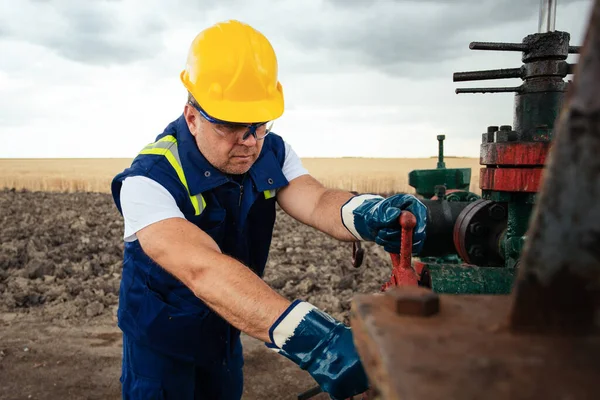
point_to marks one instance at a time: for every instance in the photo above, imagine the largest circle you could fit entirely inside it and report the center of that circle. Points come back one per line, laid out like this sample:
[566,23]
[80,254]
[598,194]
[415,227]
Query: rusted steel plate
[467,352]
[525,180]
[514,153]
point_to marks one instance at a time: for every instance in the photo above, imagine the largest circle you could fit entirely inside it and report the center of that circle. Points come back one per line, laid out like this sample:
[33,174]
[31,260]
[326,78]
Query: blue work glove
[319,344]
[374,218]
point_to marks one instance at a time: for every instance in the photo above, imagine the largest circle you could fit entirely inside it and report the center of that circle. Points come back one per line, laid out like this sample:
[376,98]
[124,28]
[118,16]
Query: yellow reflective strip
[194,200]
[168,138]
[181,176]
[269,194]
[158,151]
[171,158]
[199,209]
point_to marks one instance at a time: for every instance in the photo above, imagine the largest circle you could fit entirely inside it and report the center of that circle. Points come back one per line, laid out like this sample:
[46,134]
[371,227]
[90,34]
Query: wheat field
[374,175]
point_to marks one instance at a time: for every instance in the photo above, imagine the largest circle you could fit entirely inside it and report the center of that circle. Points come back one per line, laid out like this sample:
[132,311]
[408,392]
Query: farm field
[379,175]
[60,261]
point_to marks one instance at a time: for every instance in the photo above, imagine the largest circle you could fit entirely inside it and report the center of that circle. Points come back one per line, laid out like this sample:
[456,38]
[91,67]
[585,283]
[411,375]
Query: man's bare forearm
[227,286]
[240,296]
[311,203]
[327,216]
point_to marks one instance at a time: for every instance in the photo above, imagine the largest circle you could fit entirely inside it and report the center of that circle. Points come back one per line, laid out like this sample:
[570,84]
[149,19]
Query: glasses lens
[227,131]
[264,130]
[232,132]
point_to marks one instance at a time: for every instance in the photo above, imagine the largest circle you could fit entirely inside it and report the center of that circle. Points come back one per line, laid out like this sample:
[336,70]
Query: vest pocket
[174,329]
[139,387]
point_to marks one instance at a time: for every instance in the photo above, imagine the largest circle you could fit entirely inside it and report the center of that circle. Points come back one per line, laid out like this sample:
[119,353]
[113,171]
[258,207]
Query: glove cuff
[321,345]
[283,328]
[301,332]
[348,216]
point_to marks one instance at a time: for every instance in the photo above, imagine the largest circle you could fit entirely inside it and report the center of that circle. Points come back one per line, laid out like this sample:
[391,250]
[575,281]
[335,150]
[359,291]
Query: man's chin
[238,167]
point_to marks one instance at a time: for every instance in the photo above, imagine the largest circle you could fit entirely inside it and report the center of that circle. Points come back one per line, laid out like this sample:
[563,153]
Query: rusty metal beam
[558,286]
[466,350]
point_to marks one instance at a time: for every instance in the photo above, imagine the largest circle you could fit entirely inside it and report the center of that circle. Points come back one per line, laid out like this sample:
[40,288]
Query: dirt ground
[60,263]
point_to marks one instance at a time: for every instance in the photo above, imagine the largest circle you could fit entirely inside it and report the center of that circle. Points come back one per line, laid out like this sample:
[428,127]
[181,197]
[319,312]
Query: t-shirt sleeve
[144,202]
[292,165]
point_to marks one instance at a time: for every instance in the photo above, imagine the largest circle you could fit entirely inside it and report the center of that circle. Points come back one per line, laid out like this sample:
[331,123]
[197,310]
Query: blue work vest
[154,307]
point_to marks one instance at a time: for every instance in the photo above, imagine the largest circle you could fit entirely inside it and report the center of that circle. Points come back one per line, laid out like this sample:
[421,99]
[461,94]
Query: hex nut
[414,301]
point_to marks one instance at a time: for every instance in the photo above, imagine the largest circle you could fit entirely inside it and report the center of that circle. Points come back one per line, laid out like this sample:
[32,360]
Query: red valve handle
[403,272]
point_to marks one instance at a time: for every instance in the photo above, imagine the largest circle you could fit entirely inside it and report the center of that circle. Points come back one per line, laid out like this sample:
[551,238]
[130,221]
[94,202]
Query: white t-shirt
[144,201]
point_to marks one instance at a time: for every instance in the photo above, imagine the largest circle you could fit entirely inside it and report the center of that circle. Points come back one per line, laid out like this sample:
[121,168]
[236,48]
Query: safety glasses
[231,130]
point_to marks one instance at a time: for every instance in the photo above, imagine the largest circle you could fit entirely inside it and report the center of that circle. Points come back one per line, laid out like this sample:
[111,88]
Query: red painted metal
[514,153]
[403,272]
[511,179]
[418,266]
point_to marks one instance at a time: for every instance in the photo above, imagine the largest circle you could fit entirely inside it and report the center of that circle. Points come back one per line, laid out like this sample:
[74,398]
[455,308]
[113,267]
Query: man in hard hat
[199,207]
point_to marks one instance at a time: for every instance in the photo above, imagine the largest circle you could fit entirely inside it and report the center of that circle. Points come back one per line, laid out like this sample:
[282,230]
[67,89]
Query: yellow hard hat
[231,71]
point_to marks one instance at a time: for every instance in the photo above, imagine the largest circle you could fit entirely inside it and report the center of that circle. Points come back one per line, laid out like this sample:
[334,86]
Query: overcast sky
[361,78]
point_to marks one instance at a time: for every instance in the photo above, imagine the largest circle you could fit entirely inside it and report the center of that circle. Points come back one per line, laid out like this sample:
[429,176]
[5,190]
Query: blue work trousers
[149,375]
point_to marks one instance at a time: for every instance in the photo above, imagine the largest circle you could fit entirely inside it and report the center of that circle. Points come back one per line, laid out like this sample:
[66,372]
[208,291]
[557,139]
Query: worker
[199,206]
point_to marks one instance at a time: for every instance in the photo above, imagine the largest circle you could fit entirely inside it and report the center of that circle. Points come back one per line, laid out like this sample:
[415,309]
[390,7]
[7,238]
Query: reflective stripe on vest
[167,147]
[269,194]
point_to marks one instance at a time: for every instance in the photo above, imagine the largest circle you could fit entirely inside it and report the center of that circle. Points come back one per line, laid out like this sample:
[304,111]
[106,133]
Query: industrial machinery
[450,184]
[519,318]
[488,234]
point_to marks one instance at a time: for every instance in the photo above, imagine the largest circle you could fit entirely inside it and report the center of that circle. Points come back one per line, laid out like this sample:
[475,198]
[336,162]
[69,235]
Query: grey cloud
[390,34]
[366,4]
[363,3]
[94,32]
[387,35]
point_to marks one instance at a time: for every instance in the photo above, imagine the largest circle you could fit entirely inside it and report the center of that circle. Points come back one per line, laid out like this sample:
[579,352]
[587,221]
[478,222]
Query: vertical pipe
[547,20]
[441,164]
[558,286]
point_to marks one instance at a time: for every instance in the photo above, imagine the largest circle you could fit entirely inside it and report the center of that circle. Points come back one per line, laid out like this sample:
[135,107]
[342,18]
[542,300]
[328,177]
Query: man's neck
[238,178]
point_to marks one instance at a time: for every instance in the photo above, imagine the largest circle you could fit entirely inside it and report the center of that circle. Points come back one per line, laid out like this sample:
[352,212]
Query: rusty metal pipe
[558,286]
[498,46]
[441,216]
[488,74]
[488,90]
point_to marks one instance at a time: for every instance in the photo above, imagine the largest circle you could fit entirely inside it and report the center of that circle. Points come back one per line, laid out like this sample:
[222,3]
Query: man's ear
[191,118]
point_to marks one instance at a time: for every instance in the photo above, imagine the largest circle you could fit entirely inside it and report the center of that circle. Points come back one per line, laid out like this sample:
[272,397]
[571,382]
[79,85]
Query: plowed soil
[60,265]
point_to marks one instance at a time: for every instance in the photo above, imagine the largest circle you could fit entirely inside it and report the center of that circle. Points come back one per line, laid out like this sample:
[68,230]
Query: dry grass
[380,175]
[376,175]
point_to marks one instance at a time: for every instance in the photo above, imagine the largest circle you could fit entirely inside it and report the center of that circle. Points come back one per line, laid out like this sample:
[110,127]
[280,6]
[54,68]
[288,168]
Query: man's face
[228,153]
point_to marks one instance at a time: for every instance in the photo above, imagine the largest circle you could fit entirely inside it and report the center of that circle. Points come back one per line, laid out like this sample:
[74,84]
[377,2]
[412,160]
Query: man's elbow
[199,269]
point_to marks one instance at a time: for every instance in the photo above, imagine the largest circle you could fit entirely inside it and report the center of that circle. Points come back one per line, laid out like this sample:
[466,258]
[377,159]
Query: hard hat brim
[264,110]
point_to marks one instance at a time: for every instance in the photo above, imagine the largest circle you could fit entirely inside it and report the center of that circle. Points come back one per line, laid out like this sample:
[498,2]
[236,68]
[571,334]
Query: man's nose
[250,140]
